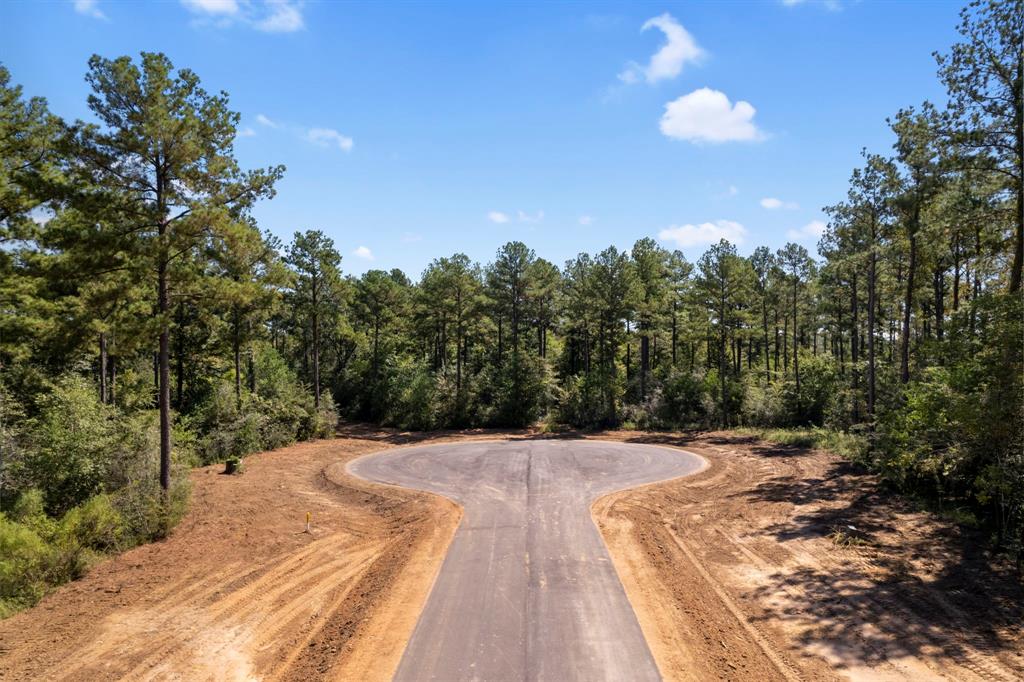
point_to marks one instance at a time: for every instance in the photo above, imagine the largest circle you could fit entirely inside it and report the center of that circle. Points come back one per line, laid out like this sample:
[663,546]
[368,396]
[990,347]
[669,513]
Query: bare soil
[782,563]
[239,591]
[773,563]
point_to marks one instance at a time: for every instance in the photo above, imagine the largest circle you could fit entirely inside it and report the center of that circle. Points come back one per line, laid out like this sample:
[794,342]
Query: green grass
[846,445]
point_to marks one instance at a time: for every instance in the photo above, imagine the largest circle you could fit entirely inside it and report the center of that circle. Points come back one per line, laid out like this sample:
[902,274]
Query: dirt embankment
[239,591]
[783,563]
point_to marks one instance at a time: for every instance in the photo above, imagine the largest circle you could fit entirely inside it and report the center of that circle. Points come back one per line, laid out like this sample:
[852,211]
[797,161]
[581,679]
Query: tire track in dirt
[734,574]
[239,591]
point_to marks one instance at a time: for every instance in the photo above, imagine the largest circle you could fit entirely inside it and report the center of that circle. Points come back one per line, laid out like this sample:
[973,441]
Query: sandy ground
[732,573]
[240,592]
[735,574]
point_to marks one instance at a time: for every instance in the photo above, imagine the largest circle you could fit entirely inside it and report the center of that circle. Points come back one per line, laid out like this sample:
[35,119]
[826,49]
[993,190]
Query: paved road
[527,590]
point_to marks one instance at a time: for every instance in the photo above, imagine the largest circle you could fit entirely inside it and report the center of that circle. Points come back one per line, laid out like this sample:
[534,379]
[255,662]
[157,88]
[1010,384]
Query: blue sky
[416,130]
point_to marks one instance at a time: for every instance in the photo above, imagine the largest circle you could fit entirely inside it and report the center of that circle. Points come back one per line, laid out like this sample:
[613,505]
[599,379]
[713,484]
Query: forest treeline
[148,324]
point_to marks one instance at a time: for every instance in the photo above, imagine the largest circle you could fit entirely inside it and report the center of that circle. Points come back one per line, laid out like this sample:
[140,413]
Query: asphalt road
[527,590]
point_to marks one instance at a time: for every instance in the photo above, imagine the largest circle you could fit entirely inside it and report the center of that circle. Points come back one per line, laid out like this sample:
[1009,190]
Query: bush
[24,566]
[37,551]
[69,446]
[581,403]
[819,383]
[682,401]
[518,390]
[82,535]
[762,403]
[281,412]
[418,404]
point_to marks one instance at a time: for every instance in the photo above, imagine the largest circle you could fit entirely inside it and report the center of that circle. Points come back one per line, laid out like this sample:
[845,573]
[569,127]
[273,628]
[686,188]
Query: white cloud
[497,217]
[527,218]
[773,204]
[327,137]
[363,252]
[586,220]
[679,49]
[246,132]
[283,17]
[322,137]
[830,5]
[705,233]
[706,115]
[89,8]
[729,192]
[212,7]
[270,16]
[812,230]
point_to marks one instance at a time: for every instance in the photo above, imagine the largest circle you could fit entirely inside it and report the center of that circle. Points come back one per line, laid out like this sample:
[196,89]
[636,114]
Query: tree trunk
[796,344]
[103,368]
[645,363]
[252,369]
[179,348]
[1018,246]
[908,303]
[164,372]
[316,360]
[237,352]
[112,389]
[871,329]
[675,333]
[764,319]
[775,342]
[722,372]
[163,355]
[785,344]
[956,280]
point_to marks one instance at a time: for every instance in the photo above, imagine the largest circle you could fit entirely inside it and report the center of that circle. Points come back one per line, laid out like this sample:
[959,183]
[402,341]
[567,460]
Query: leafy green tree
[796,263]
[764,264]
[31,176]
[984,76]
[164,153]
[544,282]
[249,277]
[650,264]
[917,151]
[723,284]
[316,289]
[508,284]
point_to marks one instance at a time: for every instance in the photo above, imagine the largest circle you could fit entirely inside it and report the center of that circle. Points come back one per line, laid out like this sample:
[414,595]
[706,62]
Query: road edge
[637,577]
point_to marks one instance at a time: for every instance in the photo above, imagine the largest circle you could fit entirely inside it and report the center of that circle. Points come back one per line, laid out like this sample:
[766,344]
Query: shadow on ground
[898,583]
[903,583]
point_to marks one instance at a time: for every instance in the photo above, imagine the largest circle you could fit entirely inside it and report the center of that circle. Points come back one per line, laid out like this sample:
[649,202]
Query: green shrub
[82,535]
[518,390]
[819,382]
[581,403]
[24,566]
[682,400]
[70,445]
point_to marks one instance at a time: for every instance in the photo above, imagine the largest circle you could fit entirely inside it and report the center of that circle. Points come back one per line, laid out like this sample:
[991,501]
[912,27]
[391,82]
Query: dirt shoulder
[239,591]
[733,573]
[785,563]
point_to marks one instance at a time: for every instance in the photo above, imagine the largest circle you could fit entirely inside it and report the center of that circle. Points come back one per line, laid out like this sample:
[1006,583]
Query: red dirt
[739,572]
[732,574]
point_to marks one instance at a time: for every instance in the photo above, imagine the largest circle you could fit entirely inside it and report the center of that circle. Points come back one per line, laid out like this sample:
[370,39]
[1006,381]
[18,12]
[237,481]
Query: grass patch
[847,445]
